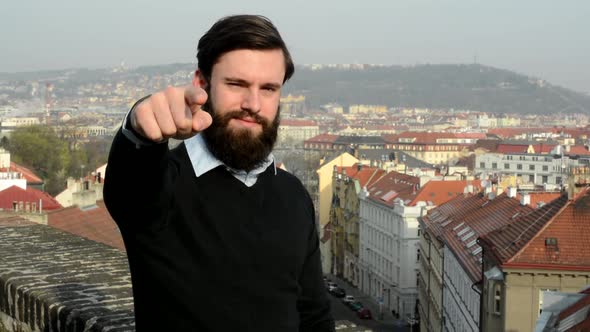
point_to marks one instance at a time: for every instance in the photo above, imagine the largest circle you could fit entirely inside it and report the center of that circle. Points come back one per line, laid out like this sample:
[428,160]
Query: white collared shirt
[203,160]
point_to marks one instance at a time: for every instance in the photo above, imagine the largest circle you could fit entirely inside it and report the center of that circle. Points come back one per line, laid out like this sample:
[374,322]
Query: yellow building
[325,176]
[347,183]
[546,250]
[364,109]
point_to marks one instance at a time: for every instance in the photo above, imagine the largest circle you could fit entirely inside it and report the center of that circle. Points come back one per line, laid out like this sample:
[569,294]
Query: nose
[251,101]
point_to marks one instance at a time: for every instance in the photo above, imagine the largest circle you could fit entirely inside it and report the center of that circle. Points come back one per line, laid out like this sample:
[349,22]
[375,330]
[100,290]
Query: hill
[458,86]
[474,87]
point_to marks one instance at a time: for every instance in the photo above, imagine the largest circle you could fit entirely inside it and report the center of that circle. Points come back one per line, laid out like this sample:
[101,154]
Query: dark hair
[238,32]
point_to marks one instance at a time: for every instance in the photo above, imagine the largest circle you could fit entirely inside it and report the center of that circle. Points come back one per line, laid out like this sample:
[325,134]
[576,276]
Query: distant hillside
[474,87]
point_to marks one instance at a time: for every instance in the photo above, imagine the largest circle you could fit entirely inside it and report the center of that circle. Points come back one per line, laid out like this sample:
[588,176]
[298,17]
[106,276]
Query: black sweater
[211,254]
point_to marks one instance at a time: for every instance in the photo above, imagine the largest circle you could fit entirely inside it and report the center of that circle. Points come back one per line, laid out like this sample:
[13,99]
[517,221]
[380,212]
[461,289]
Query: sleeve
[138,182]
[313,303]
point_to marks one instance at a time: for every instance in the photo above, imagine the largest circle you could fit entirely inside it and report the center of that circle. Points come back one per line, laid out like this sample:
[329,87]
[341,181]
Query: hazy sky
[546,39]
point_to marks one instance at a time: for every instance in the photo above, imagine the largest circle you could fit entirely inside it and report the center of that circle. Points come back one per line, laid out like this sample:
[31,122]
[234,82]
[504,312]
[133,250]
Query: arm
[137,181]
[140,174]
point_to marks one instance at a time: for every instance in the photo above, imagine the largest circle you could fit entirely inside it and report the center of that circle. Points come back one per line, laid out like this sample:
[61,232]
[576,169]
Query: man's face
[244,95]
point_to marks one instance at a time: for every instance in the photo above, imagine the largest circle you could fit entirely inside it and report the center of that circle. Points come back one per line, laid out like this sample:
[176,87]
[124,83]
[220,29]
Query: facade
[388,236]
[433,148]
[325,178]
[292,133]
[344,217]
[537,169]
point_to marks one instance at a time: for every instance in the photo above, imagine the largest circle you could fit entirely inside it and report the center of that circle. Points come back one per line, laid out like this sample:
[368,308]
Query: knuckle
[170,91]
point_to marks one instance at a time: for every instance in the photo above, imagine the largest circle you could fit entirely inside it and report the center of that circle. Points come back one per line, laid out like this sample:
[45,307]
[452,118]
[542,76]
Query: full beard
[240,148]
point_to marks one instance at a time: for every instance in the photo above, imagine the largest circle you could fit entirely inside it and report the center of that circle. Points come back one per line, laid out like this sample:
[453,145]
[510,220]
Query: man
[218,238]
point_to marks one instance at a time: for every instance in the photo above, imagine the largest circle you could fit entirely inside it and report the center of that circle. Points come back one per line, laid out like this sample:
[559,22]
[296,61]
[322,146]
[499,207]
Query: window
[544,179]
[545,168]
[558,180]
[497,299]
[506,166]
[518,166]
[482,165]
[531,167]
[418,254]
[531,178]
[494,165]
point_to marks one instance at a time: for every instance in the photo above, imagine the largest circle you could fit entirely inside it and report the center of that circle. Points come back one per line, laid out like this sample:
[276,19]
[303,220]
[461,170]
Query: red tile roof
[366,175]
[523,243]
[394,186]
[426,137]
[30,195]
[512,148]
[578,150]
[95,224]
[31,177]
[543,147]
[512,132]
[323,138]
[297,123]
[439,192]
[543,197]
[460,221]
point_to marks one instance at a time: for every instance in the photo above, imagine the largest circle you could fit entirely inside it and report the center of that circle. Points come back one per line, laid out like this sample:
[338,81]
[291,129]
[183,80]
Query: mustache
[242,114]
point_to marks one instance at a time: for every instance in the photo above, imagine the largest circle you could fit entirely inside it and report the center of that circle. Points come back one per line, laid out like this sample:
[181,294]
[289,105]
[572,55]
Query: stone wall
[54,281]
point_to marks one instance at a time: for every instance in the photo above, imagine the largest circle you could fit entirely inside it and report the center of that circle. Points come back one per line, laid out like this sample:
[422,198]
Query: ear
[199,80]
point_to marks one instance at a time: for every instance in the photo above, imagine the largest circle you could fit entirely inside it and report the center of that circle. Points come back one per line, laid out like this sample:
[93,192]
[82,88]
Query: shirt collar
[203,160]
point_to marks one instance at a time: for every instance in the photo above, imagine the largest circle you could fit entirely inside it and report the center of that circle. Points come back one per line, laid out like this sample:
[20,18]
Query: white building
[460,301]
[388,250]
[531,168]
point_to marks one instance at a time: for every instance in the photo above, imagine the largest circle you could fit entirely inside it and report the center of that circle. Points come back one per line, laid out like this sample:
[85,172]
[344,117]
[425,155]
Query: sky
[540,38]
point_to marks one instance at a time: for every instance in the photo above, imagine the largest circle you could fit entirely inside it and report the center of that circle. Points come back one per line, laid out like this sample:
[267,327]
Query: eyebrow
[244,82]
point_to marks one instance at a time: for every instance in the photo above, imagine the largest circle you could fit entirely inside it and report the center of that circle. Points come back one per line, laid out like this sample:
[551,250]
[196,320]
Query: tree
[55,156]
[39,148]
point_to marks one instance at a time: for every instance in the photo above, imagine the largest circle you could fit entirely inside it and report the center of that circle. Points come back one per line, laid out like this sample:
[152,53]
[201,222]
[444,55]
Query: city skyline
[539,39]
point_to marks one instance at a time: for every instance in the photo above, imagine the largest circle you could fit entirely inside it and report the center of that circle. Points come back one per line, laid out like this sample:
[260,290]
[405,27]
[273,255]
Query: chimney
[512,192]
[525,199]
[488,189]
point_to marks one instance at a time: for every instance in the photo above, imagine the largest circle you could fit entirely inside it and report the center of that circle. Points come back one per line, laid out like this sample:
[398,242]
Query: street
[342,312]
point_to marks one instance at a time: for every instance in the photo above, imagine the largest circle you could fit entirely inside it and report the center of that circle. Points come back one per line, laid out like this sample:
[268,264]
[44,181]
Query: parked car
[331,285]
[347,299]
[355,306]
[364,313]
[338,292]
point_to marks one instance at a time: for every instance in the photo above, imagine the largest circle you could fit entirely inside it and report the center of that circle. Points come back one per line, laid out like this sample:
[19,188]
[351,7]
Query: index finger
[194,97]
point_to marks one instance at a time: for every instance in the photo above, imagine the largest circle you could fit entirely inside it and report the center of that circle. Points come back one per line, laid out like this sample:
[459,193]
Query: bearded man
[218,238]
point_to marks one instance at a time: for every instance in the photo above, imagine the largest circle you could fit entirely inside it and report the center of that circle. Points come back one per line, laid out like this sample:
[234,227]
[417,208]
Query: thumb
[201,120]
[194,98]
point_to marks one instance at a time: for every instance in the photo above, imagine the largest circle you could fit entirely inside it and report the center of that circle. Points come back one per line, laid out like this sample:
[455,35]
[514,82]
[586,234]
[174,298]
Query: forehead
[264,66]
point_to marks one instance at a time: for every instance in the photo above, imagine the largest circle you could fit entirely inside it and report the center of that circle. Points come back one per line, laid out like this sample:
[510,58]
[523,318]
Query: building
[528,168]
[389,232]
[546,250]
[292,133]
[347,184]
[433,148]
[325,177]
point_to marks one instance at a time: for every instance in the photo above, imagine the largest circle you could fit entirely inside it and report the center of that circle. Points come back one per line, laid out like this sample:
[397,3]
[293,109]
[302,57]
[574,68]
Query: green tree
[39,148]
